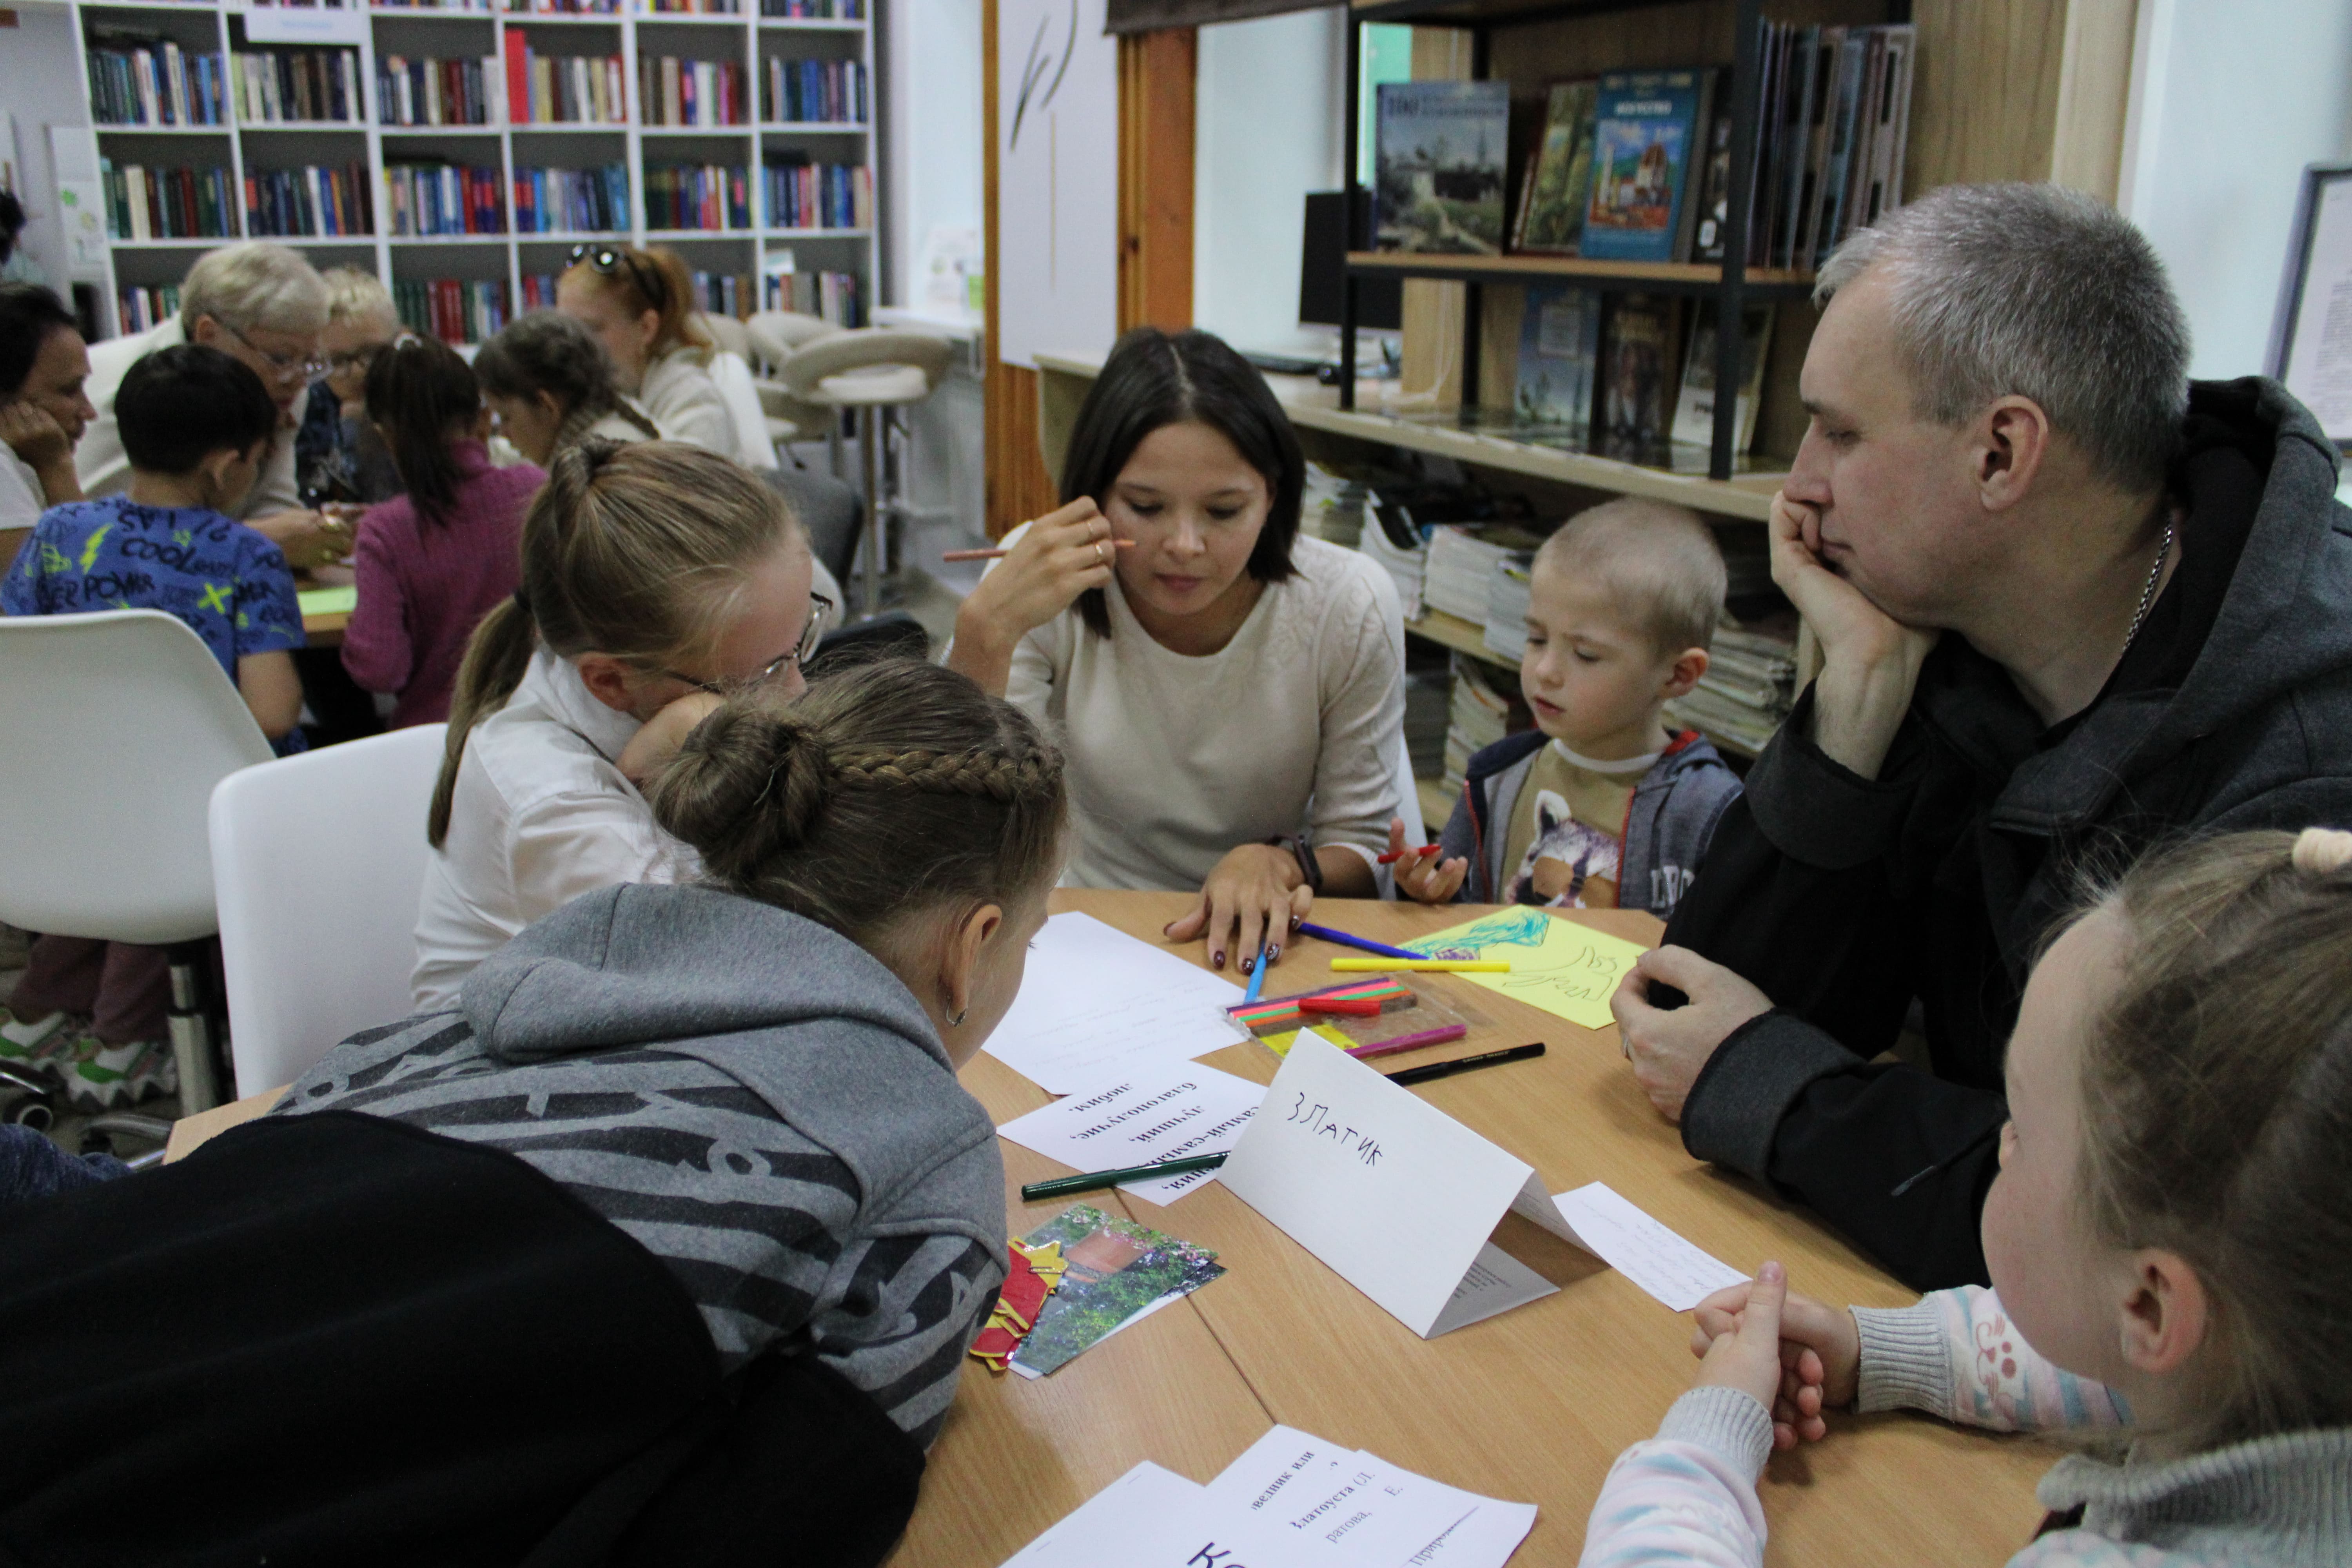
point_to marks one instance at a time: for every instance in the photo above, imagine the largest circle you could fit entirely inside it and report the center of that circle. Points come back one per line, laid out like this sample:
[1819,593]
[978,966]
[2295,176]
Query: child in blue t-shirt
[196,425]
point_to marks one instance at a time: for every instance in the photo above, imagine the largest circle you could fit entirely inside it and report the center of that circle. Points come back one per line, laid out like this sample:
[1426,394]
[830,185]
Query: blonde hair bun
[2323,851]
[750,783]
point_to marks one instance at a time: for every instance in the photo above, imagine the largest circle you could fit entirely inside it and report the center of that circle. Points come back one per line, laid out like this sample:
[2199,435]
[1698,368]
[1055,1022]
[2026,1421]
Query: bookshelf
[825,114]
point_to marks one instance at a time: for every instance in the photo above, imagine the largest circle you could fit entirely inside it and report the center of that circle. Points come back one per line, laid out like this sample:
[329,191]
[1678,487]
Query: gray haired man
[2069,603]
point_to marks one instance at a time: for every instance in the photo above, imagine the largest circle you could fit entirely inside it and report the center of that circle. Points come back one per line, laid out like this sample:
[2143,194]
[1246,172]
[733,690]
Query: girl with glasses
[651,572]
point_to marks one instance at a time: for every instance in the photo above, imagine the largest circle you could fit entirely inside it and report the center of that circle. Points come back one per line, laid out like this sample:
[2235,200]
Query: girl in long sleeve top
[431,564]
[2169,1243]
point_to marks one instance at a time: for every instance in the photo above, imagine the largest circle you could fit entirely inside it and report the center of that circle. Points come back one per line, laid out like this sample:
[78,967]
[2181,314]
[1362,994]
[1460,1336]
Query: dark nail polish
[1249,965]
[1272,954]
[1217,961]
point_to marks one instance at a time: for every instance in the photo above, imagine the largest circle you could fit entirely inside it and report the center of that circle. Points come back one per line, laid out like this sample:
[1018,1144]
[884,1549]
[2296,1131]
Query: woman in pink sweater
[432,562]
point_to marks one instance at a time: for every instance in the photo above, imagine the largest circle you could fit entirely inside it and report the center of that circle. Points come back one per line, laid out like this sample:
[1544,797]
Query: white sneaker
[99,1077]
[34,1044]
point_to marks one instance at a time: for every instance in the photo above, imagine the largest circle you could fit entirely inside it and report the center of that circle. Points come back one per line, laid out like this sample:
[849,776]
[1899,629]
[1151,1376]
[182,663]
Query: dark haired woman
[1231,695]
[431,564]
[551,382]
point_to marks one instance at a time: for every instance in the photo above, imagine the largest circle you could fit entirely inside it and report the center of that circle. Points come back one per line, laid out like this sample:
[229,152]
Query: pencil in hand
[1000,554]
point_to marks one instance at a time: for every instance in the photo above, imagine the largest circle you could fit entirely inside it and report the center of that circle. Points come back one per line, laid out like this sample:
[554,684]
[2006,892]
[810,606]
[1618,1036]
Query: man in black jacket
[2068,604]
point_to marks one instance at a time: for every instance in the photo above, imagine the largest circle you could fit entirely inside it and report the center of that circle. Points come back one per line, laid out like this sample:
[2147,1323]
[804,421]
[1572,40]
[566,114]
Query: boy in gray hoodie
[1599,806]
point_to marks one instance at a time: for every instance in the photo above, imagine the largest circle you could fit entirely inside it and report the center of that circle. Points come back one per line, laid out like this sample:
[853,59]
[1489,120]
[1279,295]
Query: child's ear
[1684,673]
[549,404]
[2165,1313]
[607,680]
[960,956]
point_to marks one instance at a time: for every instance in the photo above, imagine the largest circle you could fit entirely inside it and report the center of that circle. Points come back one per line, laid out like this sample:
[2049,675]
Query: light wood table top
[1531,1406]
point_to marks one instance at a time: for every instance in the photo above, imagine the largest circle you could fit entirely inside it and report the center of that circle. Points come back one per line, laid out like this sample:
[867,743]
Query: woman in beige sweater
[1230,695]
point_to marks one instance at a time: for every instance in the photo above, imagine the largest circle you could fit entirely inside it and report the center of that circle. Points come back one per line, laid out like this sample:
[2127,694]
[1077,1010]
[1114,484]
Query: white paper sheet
[1095,1004]
[1496,1283]
[1148,1517]
[1171,1111]
[1642,1249]
[1332,1506]
[1393,1194]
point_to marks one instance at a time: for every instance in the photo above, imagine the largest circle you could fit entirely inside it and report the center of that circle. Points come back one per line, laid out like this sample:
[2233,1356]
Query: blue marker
[1257,978]
[1308,928]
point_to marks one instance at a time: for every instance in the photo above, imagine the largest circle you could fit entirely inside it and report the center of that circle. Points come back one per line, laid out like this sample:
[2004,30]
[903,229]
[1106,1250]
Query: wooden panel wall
[1157,73]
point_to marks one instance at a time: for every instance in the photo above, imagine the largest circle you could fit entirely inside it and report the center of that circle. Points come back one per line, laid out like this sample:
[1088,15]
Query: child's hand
[1424,877]
[659,737]
[1818,1361]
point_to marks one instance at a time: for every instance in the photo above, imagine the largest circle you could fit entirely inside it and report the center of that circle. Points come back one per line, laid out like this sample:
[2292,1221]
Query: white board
[1056,180]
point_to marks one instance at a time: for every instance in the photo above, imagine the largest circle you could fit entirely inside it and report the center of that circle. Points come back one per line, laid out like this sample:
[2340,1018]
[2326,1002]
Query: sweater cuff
[1905,1364]
[1736,1104]
[1816,811]
[1727,1422]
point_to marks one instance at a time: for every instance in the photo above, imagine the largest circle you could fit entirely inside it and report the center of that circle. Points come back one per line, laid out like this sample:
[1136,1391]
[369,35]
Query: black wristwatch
[1304,853]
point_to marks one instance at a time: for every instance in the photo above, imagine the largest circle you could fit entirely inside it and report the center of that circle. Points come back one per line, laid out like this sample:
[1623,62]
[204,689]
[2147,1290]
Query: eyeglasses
[287,367]
[613,262]
[819,608]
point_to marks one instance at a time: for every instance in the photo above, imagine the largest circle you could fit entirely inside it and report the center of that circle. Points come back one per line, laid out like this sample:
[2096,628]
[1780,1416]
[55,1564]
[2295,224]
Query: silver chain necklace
[2148,594]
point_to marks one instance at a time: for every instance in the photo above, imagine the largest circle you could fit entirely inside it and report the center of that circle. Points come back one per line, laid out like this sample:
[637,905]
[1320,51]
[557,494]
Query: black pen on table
[1095,1181]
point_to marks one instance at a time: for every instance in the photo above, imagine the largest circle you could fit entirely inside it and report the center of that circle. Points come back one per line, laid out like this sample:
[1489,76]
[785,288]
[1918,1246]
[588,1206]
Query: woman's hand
[1064,554]
[39,440]
[1253,898]
[1817,1353]
[659,737]
[1427,879]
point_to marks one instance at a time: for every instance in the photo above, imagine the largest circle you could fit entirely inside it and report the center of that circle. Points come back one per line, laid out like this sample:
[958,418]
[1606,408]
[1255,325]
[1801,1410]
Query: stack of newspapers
[1506,606]
[1481,713]
[1749,688]
[1332,507]
[1464,558]
[1405,565]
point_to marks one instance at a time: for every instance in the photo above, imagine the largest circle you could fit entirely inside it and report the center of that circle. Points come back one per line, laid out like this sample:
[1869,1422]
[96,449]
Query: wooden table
[1531,1406]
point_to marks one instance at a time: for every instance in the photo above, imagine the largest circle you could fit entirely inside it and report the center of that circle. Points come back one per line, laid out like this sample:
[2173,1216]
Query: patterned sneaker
[99,1077]
[34,1046]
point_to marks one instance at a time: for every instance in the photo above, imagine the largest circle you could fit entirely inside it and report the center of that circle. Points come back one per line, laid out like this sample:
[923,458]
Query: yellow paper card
[1280,1044]
[1557,966]
[330,601]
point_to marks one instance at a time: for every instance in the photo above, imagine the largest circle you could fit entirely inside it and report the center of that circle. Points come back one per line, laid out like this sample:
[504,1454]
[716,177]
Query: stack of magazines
[1485,706]
[1464,558]
[1405,566]
[1746,691]
[1506,606]
[1332,507]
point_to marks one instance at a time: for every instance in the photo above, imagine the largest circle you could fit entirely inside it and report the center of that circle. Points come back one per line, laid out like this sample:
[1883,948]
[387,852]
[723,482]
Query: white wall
[937,135]
[1268,105]
[2230,100]
[40,85]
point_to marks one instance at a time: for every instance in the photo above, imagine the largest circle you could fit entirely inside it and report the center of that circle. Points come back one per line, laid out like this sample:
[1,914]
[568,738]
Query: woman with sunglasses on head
[655,578]
[640,306]
[431,564]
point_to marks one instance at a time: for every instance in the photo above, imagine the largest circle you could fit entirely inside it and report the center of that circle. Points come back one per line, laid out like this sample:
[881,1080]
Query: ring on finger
[1100,559]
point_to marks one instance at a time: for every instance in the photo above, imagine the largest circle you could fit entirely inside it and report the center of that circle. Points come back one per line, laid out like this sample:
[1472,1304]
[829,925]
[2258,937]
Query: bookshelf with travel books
[461,150]
[1613,178]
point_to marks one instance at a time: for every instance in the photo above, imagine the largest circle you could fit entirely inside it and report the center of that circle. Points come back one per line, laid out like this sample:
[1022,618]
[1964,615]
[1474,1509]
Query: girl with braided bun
[2170,1240]
[668,1245]
[657,577]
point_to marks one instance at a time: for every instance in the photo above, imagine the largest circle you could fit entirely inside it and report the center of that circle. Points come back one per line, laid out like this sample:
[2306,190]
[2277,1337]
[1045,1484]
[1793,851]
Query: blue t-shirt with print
[227,582]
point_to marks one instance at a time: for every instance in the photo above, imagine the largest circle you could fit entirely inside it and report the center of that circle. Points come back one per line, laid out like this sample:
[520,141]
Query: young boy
[197,427]
[1613,811]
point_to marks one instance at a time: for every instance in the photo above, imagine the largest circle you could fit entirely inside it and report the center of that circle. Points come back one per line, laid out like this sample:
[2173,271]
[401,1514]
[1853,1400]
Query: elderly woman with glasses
[260,303]
[640,306]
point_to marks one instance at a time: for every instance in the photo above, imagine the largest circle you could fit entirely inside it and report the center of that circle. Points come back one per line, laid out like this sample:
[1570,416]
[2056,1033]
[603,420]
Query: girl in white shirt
[655,576]
[640,305]
[1230,696]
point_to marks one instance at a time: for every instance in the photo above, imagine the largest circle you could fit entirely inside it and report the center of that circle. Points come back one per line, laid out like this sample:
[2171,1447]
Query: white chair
[318,862]
[119,724]
[774,336]
[726,331]
[754,448]
[869,372]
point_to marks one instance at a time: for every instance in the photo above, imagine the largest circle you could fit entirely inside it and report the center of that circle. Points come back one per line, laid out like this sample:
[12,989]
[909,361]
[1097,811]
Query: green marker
[1095,1181]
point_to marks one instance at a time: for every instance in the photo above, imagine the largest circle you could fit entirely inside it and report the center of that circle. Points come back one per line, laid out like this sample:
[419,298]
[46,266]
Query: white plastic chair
[754,448]
[119,725]
[318,862]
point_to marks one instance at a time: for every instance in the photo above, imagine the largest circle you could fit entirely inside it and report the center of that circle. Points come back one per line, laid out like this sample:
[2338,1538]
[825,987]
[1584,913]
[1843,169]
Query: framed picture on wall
[2311,339]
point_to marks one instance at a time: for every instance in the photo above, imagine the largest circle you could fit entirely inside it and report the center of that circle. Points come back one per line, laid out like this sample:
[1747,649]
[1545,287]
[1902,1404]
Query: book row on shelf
[834,296]
[814,10]
[312,203]
[1630,376]
[453,310]
[702,196]
[142,308]
[434,91]
[571,201]
[1635,166]
[830,91]
[442,199]
[672,91]
[819,195]
[572,90]
[297,84]
[167,203]
[144,81]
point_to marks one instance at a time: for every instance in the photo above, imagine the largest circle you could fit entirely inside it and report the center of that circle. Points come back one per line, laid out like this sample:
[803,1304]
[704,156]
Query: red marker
[1353,1006]
[1393,856]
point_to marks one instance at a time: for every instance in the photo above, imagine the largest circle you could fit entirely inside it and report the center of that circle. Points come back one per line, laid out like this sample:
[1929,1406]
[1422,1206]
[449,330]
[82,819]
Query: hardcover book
[1562,182]
[1559,351]
[1638,359]
[1439,166]
[1646,130]
[1695,405]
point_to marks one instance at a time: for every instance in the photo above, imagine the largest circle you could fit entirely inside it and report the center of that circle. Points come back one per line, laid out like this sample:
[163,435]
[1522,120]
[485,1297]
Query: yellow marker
[1421,965]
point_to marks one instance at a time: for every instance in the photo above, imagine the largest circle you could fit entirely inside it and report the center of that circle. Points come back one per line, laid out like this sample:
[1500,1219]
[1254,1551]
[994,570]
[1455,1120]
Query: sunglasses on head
[613,262]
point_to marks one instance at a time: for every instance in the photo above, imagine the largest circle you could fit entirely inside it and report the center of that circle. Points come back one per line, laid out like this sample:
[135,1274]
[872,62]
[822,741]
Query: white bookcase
[228,27]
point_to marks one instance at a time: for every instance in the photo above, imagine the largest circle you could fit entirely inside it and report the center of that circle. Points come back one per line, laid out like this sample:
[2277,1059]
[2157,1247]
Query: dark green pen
[1093,1181]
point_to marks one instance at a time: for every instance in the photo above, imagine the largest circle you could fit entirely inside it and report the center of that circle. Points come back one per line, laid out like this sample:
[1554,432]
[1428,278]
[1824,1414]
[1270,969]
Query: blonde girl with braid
[2169,1239]
[656,578]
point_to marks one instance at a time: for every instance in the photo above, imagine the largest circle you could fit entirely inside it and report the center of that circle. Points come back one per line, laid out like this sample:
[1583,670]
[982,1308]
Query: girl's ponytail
[424,397]
[629,549]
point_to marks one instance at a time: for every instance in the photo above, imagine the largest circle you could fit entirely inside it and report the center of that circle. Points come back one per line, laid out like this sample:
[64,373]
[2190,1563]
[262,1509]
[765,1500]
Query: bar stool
[871,372]
[774,336]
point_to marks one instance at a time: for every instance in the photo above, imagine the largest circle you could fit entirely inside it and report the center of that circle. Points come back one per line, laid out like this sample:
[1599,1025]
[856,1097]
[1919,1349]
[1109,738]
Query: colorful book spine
[571,201]
[829,92]
[312,202]
[143,203]
[707,197]
[426,199]
[816,10]
[155,85]
[455,310]
[819,195]
[830,295]
[437,91]
[693,92]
